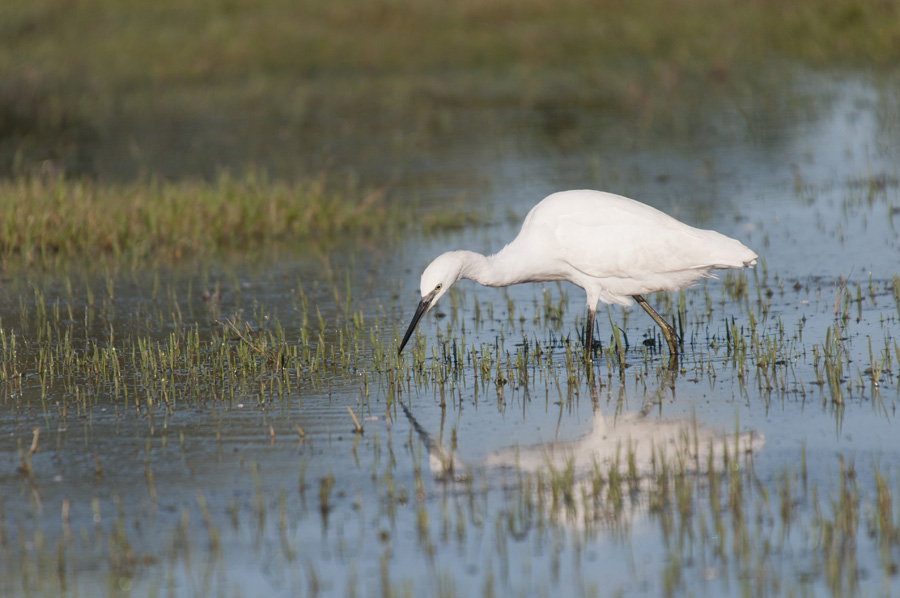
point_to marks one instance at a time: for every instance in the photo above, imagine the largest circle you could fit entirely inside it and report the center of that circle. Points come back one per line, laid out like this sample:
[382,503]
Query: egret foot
[667,330]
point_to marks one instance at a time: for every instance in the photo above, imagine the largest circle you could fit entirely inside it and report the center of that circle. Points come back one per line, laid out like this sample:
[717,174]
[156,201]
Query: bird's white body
[613,247]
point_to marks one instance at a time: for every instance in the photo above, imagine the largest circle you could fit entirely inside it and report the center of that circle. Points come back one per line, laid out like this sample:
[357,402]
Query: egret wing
[625,243]
[615,247]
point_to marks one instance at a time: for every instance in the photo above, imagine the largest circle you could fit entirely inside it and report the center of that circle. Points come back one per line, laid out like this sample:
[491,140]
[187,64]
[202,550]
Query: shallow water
[221,494]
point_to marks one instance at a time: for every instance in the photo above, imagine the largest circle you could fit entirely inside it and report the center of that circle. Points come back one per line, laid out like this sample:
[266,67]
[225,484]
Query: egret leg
[589,335]
[667,330]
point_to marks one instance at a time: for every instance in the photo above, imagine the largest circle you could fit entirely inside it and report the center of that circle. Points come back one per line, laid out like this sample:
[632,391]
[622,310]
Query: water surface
[221,494]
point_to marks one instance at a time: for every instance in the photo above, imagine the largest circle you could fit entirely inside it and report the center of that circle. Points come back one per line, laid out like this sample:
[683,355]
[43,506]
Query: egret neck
[502,269]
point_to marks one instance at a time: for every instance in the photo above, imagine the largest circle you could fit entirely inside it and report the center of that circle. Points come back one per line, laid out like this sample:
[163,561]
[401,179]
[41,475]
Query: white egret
[615,248]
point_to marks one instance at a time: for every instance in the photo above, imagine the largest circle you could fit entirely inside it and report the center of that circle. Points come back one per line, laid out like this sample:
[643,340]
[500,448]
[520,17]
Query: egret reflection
[631,452]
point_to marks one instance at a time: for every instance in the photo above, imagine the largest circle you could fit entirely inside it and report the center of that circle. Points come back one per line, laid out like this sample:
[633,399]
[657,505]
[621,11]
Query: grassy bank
[129,42]
[117,89]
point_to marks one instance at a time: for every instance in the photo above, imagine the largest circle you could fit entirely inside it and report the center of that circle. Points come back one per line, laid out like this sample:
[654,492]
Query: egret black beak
[421,310]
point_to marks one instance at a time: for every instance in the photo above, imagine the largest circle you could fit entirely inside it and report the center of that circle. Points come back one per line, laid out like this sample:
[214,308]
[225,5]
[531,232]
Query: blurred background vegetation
[125,89]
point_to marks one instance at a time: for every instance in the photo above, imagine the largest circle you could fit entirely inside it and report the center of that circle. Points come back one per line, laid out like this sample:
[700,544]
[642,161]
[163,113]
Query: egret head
[437,279]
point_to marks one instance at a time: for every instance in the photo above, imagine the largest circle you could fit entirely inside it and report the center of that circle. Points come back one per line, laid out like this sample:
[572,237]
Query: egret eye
[438,287]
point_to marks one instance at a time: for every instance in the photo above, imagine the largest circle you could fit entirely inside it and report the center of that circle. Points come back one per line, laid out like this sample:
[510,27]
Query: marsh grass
[60,342]
[709,510]
[46,222]
[46,218]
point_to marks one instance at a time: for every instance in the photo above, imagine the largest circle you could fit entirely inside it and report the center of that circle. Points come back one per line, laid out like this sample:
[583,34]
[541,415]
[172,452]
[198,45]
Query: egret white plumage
[615,248]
